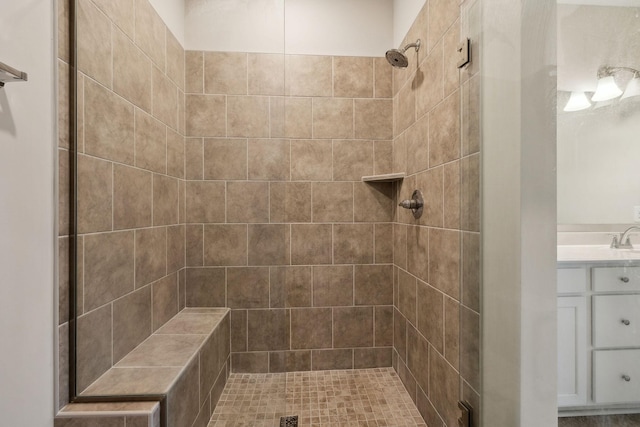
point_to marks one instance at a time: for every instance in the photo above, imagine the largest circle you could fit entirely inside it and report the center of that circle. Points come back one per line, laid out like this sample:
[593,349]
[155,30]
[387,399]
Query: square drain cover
[290,421]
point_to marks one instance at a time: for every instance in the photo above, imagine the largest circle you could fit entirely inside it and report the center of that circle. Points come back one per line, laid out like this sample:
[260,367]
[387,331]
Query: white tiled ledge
[388,177]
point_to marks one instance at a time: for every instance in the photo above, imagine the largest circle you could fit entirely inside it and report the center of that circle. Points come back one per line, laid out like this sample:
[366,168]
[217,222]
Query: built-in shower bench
[186,360]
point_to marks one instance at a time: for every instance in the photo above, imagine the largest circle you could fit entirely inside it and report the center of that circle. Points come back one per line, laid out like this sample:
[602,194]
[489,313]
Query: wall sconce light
[578,101]
[607,87]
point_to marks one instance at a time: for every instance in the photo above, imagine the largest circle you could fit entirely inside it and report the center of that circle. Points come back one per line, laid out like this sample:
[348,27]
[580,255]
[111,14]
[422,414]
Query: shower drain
[290,421]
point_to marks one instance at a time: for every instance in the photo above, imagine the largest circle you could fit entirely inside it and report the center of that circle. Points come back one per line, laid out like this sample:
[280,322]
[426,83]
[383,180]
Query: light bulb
[633,88]
[607,89]
[578,101]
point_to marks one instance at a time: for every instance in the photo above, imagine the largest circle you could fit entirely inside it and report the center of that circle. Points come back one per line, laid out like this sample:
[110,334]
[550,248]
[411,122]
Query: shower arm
[415,44]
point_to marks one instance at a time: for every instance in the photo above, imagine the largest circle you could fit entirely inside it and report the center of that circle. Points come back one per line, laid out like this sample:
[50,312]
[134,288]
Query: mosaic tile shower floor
[366,397]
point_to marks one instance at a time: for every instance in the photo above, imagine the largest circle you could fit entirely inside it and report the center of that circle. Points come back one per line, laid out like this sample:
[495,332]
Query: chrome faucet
[624,242]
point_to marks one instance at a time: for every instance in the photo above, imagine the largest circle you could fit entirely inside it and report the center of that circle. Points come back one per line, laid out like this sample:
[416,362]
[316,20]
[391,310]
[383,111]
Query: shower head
[397,58]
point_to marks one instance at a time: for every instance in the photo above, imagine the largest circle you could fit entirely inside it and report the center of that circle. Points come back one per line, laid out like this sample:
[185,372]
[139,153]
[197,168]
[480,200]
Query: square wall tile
[248,116]
[373,118]
[110,135]
[290,202]
[165,99]
[248,202]
[225,158]
[383,241]
[332,201]
[332,118]
[95,194]
[407,302]
[194,71]
[121,12]
[352,160]
[444,261]
[290,287]
[108,267]
[430,303]
[373,284]
[291,117]
[444,131]
[269,244]
[165,200]
[311,160]
[225,245]
[383,333]
[194,163]
[131,322]
[206,287]
[194,245]
[248,287]
[373,201]
[206,115]
[225,73]
[175,60]
[175,248]
[266,74]
[175,154]
[269,159]
[94,47]
[151,255]
[308,75]
[94,346]
[205,201]
[418,250]
[383,78]
[133,78]
[150,142]
[332,285]
[238,330]
[268,330]
[431,91]
[352,77]
[150,32]
[352,327]
[311,328]
[353,243]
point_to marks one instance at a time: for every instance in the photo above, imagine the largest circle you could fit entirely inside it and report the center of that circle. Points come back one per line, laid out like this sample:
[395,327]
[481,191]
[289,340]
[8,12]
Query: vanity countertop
[595,253]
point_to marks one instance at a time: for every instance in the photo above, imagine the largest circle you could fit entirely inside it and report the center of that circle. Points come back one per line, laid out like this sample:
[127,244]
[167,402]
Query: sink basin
[596,253]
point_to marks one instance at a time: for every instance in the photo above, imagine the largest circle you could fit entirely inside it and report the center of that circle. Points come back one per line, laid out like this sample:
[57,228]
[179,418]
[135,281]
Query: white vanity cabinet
[598,336]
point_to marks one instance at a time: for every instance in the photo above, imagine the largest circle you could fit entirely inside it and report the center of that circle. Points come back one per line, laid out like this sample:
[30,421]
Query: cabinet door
[616,321]
[616,376]
[572,351]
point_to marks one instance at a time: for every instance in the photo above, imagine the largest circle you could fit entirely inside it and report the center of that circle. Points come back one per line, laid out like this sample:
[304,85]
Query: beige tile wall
[279,225]
[436,258]
[131,187]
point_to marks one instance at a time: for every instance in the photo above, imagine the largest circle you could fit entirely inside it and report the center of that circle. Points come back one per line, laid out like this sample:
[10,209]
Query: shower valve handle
[410,204]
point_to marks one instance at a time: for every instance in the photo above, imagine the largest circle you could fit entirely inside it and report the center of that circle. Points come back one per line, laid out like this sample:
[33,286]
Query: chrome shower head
[397,58]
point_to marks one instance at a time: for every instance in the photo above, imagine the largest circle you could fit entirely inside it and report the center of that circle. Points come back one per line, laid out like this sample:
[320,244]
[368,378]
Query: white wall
[27,216]
[172,13]
[327,27]
[518,214]
[404,13]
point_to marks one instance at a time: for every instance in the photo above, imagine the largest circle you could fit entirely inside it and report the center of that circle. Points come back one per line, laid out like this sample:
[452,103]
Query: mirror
[598,147]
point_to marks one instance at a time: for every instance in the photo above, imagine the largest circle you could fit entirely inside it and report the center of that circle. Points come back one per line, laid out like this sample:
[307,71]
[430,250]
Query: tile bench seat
[187,360]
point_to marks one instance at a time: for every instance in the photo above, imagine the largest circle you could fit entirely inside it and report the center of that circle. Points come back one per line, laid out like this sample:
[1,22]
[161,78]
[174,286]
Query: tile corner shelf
[389,177]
